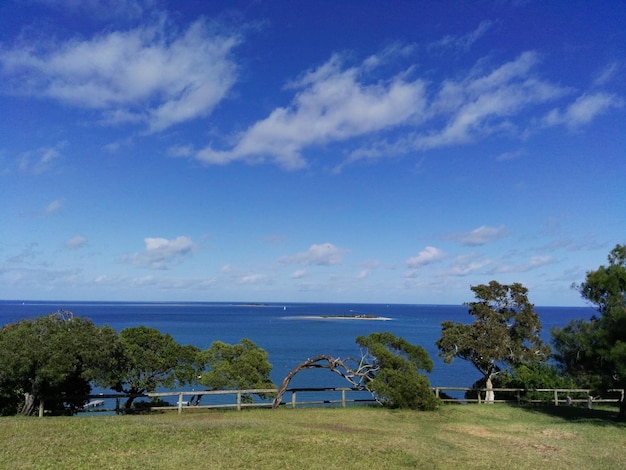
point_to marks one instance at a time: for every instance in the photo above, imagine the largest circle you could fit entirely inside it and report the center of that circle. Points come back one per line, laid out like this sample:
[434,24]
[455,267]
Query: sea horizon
[257,302]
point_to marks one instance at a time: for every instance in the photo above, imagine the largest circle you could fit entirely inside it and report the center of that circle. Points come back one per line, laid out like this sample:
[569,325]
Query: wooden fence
[557,396]
[338,396]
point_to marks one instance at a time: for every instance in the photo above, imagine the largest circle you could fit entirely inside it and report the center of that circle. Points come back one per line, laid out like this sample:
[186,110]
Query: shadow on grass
[604,416]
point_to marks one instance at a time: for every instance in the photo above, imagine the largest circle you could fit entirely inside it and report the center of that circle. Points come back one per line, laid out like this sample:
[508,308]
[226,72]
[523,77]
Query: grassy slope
[483,436]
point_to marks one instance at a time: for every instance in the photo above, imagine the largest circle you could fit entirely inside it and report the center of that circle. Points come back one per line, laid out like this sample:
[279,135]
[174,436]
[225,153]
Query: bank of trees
[593,351]
[505,346]
[58,357]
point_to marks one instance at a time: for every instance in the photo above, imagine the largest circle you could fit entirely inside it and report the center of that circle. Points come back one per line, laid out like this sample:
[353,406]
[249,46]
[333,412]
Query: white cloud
[331,103]
[428,255]
[607,74]
[506,156]
[40,160]
[480,236]
[325,254]
[464,41]
[161,253]
[252,279]
[54,207]
[335,103]
[465,265]
[583,110]
[145,74]
[534,262]
[364,273]
[298,274]
[76,242]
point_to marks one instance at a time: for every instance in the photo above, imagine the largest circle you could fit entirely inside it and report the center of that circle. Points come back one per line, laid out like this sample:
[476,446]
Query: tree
[395,378]
[388,369]
[505,333]
[594,352]
[54,358]
[236,367]
[152,360]
[530,377]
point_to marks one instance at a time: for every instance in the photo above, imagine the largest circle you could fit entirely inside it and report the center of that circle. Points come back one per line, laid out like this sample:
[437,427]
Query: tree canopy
[54,357]
[594,352]
[394,371]
[236,367]
[152,359]
[505,333]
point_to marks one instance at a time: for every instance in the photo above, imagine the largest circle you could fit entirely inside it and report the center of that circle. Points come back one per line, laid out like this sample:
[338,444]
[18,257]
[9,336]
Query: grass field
[470,436]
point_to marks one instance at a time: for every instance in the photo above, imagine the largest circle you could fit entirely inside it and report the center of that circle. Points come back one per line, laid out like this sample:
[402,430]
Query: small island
[356,316]
[359,316]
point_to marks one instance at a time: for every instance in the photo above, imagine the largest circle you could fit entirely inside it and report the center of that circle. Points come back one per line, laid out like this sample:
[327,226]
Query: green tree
[505,333]
[152,360]
[54,358]
[530,377]
[594,352]
[393,371]
[236,367]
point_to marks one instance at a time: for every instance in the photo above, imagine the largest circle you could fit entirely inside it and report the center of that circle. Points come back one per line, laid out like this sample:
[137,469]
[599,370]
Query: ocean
[291,332]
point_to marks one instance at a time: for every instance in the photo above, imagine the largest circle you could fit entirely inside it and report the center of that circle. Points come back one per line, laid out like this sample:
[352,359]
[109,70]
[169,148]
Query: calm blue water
[287,331]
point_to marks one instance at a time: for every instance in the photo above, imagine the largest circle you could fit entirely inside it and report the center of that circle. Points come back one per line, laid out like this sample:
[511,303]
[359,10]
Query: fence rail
[556,395]
[343,396]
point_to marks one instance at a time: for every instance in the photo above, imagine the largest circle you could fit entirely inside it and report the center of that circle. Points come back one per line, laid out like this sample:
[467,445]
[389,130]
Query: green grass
[473,436]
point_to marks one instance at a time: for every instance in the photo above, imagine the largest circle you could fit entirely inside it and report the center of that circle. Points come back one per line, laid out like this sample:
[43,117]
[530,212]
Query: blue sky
[354,151]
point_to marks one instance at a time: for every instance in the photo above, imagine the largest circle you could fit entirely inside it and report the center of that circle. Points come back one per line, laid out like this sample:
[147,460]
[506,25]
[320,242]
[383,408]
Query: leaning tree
[505,333]
[388,368]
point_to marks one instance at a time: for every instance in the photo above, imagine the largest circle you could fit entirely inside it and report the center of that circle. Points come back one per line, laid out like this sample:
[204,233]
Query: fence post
[41,408]
[180,403]
[238,400]
[556,397]
[117,405]
[343,398]
[293,400]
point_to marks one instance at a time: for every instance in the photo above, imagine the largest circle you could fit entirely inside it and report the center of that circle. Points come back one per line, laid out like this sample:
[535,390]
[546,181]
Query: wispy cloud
[161,253]
[76,242]
[607,74]
[479,236]
[150,74]
[532,263]
[41,160]
[583,110]
[52,208]
[334,103]
[324,254]
[464,265]
[331,103]
[464,41]
[428,255]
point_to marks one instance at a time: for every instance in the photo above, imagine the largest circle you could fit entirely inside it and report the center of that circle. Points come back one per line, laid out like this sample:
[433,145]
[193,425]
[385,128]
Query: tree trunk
[129,403]
[489,395]
[356,378]
[308,364]
[29,404]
